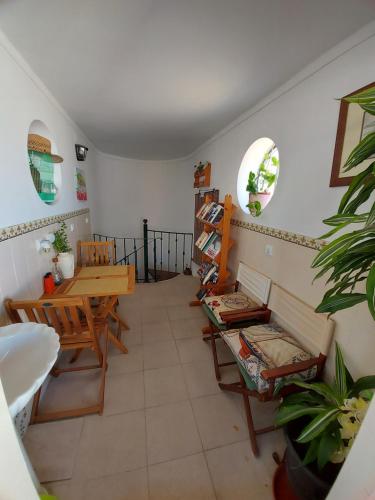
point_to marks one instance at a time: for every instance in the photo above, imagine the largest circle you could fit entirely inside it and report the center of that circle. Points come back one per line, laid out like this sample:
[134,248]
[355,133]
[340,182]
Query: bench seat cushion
[217,304]
[278,349]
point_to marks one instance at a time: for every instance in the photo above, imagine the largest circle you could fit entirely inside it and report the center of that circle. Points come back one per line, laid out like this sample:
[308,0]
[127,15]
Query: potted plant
[260,182]
[325,421]
[64,251]
[350,258]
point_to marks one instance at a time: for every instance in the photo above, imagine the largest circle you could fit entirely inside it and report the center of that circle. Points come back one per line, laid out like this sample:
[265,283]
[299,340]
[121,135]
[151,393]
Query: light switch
[71,227]
[268,250]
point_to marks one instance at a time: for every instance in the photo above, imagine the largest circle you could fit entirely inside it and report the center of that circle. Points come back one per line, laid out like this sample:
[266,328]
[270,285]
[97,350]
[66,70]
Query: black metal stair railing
[170,252]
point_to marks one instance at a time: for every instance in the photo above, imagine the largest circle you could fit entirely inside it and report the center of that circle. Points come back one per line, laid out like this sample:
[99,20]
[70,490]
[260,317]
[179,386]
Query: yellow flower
[357,407]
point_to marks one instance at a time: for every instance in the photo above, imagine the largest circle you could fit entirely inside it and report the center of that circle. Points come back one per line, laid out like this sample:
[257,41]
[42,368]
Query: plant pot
[260,200]
[304,480]
[66,264]
[261,197]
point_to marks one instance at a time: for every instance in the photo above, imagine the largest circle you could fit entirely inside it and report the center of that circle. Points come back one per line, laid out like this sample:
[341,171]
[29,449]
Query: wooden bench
[247,304]
[312,331]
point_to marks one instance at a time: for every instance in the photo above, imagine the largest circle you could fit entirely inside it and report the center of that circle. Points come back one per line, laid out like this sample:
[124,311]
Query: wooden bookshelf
[222,228]
[202,177]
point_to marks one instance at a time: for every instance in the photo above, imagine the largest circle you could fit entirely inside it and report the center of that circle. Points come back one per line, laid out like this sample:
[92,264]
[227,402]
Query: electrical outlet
[87,220]
[268,250]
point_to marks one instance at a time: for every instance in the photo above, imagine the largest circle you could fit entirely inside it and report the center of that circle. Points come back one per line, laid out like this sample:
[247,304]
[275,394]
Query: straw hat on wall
[41,144]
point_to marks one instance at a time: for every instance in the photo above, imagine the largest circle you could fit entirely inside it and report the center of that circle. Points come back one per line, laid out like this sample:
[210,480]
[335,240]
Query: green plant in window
[262,180]
[61,243]
[350,258]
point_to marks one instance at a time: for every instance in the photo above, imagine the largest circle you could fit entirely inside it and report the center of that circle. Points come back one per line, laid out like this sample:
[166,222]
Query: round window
[257,176]
[44,163]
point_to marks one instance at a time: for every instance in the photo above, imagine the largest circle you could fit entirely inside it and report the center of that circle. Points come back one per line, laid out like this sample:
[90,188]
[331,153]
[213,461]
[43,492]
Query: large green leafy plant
[350,258]
[335,412]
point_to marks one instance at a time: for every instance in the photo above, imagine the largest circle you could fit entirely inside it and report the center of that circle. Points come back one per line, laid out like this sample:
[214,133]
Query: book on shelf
[208,272]
[212,276]
[204,292]
[210,212]
[203,239]
[206,208]
[204,268]
[211,238]
[214,247]
[218,215]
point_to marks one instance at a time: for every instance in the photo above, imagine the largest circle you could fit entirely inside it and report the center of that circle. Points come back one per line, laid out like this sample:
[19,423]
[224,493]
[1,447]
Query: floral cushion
[253,362]
[229,302]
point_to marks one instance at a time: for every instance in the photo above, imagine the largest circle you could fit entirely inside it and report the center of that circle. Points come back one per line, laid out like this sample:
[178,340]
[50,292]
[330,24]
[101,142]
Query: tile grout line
[200,436]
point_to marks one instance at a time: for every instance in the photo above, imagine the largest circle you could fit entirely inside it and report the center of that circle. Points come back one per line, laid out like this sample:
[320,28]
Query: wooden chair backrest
[96,253]
[62,314]
[314,331]
[253,283]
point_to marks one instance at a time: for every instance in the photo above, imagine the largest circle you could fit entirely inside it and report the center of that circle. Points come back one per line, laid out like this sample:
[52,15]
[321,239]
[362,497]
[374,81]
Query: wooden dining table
[106,283]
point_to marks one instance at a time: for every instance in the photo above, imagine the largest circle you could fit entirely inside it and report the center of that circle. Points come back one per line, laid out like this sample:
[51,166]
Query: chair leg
[103,372]
[76,355]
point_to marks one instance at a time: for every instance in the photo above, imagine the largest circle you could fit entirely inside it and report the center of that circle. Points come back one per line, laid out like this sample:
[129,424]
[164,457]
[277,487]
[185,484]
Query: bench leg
[214,355]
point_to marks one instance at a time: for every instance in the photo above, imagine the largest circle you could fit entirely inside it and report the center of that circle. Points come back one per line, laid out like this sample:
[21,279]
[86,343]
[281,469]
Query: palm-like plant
[336,413]
[351,257]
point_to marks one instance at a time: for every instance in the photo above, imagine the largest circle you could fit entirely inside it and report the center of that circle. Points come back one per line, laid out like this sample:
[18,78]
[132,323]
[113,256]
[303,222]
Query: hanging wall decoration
[42,163]
[81,185]
[354,124]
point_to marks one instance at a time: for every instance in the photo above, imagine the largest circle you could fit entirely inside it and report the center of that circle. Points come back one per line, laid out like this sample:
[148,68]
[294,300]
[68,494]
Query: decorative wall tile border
[298,239]
[9,232]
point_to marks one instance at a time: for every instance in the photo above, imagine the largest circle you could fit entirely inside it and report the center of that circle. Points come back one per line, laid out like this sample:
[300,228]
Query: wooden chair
[96,253]
[247,305]
[73,321]
[312,331]
[100,253]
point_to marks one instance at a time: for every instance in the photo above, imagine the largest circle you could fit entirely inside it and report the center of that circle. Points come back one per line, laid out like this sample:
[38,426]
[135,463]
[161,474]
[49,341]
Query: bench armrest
[239,315]
[283,371]
[219,287]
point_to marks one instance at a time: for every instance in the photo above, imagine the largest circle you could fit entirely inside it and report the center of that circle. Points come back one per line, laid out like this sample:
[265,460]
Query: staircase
[158,256]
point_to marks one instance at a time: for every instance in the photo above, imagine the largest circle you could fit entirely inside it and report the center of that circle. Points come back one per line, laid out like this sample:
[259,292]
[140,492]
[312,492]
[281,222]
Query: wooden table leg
[117,343]
[104,311]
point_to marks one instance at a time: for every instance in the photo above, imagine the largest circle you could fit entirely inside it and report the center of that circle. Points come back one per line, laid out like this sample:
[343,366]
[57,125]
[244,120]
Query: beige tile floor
[168,432]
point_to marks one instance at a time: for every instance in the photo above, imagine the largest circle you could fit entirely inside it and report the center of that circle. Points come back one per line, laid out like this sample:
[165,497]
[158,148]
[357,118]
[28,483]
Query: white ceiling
[153,79]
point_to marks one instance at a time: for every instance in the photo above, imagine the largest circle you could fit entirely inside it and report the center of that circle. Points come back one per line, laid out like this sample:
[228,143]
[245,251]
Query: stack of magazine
[204,292]
[210,212]
[209,243]
[208,273]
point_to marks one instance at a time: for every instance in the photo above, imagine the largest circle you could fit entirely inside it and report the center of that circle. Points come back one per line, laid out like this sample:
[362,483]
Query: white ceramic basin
[27,353]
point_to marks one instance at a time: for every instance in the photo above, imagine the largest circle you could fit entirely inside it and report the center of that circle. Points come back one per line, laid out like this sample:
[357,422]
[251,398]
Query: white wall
[23,99]
[127,191]
[301,117]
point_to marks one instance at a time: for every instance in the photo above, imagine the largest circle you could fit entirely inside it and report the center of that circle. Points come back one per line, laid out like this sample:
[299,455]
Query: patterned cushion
[229,302]
[256,361]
